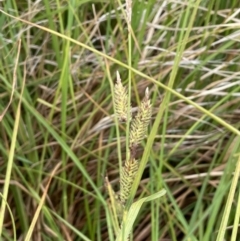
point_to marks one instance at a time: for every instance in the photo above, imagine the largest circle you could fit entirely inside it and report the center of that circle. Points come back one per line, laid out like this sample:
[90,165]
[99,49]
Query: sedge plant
[122,216]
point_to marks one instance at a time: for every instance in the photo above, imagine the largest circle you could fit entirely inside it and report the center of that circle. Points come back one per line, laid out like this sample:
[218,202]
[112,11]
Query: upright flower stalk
[138,130]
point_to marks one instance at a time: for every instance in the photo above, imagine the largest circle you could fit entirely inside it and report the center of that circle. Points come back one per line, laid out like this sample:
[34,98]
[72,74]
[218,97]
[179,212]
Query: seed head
[121,100]
[141,121]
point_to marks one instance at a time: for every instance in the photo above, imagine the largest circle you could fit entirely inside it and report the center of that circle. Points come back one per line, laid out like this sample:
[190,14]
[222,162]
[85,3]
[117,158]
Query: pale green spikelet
[116,205]
[128,174]
[141,121]
[121,100]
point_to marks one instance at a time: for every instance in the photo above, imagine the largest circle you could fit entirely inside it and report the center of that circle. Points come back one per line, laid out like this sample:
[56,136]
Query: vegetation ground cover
[59,138]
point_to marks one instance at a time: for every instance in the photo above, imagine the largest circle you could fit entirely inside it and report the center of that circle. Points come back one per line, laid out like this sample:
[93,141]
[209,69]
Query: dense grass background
[183,51]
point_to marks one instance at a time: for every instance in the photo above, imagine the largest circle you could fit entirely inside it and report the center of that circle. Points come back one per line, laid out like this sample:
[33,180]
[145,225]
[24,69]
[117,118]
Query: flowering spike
[128,174]
[141,121]
[121,100]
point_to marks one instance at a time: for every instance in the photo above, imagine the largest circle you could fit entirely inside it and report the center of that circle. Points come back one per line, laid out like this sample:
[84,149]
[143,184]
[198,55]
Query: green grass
[65,133]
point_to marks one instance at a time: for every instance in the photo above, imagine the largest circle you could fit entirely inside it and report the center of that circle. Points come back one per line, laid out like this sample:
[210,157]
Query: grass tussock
[60,139]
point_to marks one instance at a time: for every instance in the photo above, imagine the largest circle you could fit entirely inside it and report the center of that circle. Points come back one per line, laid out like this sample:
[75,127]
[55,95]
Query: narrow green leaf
[132,215]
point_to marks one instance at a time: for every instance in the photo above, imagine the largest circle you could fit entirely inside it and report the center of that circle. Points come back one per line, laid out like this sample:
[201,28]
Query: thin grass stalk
[40,205]
[129,19]
[236,219]
[224,221]
[64,92]
[13,145]
[122,113]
